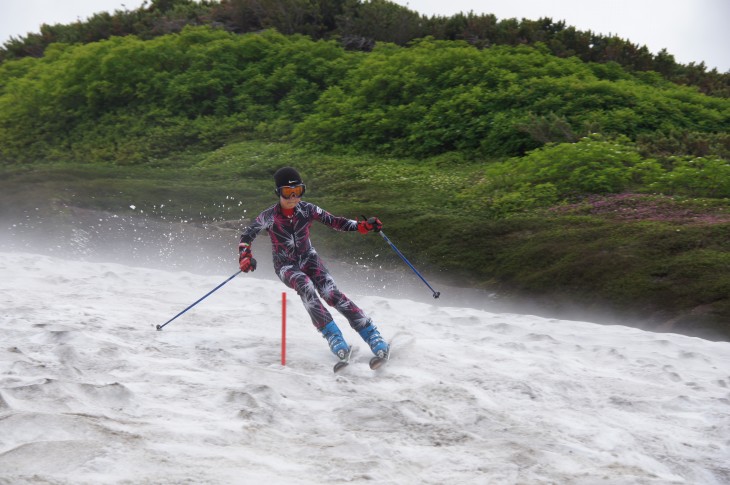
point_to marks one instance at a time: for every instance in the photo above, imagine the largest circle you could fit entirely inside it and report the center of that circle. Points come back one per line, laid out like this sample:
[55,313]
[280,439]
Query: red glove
[245,258]
[367,225]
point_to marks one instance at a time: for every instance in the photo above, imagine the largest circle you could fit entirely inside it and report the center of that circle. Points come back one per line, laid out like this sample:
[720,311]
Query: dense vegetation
[128,100]
[506,167]
[359,25]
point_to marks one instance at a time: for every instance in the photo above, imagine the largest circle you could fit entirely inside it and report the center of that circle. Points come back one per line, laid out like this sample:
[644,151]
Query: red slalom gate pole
[283,328]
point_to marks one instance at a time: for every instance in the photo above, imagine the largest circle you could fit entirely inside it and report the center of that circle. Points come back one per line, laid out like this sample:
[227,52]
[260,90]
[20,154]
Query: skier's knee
[333,297]
[306,288]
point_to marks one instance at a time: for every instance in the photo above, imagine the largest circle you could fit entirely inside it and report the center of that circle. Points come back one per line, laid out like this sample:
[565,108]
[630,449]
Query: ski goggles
[291,191]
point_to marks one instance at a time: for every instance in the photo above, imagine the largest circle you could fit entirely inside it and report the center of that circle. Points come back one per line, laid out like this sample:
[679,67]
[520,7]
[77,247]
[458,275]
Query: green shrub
[544,176]
[696,177]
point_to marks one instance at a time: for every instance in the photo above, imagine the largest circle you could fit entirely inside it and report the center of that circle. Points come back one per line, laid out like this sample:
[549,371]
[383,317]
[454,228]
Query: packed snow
[91,393]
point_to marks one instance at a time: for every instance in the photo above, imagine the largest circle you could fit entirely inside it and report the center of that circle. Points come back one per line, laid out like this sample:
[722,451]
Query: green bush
[201,85]
[430,98]
[544,176]
[435,97]
[696,177]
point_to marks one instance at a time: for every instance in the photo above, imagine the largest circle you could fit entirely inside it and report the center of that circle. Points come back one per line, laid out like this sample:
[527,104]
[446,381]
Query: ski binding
[345,361]
[378,361]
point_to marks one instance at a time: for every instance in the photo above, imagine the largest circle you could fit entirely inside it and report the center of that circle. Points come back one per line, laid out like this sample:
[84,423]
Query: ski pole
[160,327]
[436,294]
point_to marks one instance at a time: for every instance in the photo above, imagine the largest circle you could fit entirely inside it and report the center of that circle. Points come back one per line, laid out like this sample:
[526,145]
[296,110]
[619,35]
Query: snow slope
[91,393]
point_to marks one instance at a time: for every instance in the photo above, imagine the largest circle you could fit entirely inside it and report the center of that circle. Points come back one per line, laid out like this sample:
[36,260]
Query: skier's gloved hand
[366,225]
[245,258]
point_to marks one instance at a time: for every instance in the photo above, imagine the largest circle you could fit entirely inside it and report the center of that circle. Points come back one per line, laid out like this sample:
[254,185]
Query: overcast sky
[691,30]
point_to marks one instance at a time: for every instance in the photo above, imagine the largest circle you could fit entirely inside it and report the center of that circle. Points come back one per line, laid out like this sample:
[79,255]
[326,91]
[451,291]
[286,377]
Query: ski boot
[337,343]
[373,338]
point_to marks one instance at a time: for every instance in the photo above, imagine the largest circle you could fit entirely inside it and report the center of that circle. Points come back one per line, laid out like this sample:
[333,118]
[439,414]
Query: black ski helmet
[287,176]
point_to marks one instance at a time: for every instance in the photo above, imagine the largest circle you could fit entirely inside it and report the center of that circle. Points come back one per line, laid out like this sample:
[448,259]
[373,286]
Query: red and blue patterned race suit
[297,264]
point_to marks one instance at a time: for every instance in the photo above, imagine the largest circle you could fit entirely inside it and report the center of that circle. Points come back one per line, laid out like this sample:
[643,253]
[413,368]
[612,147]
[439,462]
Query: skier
[297,264]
